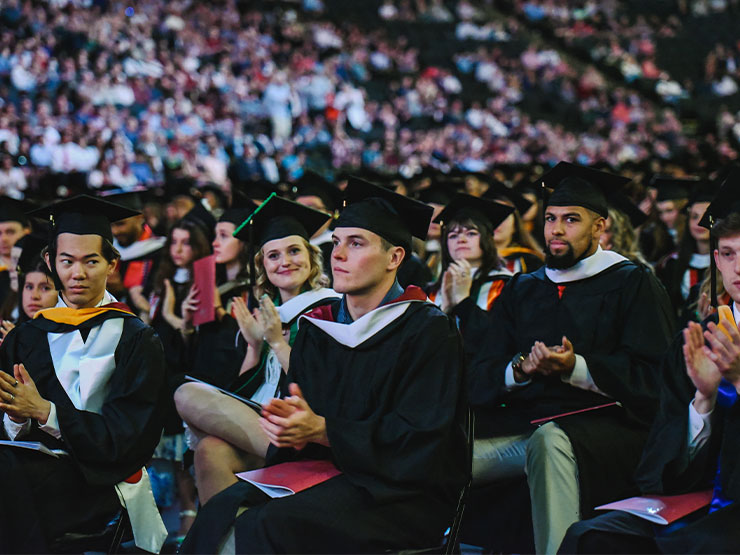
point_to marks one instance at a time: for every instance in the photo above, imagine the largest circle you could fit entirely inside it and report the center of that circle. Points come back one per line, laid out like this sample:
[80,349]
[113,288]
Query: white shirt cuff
[581,378]
[509,380]
[15,429]
[52,424]
[700,428]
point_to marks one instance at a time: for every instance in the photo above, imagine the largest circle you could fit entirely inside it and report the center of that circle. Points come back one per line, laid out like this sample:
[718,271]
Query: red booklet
[289,478]
[204,278]
[662,509]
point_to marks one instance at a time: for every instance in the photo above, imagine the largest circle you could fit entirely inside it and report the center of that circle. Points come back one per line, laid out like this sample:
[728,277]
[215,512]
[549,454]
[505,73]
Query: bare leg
[216,462]
[209,412]
[186,491]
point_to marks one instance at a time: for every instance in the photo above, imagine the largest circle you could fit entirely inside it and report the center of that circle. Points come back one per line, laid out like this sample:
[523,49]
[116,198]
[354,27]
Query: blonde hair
[316,277]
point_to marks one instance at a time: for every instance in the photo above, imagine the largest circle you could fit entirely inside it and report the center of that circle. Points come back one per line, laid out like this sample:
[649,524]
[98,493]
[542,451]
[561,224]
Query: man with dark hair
[85,379]
[139,252]
[585,331]
[693,442]
[376,388]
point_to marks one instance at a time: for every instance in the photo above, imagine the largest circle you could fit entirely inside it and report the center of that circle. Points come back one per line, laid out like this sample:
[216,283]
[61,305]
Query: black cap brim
[276,218]
[391,216]
[465,205]
[575,185]
[83,215]
[726,201]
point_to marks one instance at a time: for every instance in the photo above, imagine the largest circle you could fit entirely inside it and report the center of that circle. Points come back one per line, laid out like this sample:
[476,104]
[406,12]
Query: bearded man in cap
[584,332]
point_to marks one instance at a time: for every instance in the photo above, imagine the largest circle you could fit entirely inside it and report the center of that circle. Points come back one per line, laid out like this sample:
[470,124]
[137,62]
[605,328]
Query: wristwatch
[516,365]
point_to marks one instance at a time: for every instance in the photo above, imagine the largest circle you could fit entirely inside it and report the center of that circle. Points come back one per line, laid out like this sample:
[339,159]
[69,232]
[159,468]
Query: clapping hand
[20,398]
[249,326]
[291,422]
[456,284]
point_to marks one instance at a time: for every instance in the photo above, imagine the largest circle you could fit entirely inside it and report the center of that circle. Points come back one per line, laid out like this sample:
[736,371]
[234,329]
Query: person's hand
[136,294]
[544,360]
[456,284]
[725,351]
[700,367]
[5,327]
[20,398]
[269,320]
[189,305]
[704,306]
[249,327]
[290,422]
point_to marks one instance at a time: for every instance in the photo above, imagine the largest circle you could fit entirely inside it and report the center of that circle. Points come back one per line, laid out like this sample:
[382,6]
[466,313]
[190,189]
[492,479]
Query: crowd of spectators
[617,35]
[124,96]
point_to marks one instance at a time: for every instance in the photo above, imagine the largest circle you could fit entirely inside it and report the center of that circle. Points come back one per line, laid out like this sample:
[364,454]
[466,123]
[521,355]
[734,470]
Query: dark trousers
[332,517]
[42,498]
[620,532]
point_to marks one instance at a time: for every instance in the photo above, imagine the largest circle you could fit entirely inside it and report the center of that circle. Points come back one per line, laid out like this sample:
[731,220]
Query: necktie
[726,397]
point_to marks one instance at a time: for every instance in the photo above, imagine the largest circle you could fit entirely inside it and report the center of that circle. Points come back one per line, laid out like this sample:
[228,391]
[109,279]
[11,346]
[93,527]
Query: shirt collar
[588,267]
[343,316]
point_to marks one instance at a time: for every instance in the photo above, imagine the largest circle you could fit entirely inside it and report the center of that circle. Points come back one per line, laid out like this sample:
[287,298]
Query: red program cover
[204,277]
[291,477]
[662,509]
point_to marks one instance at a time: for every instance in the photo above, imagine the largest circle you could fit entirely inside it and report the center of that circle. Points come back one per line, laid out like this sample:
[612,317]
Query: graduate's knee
[184,396]
[549,443]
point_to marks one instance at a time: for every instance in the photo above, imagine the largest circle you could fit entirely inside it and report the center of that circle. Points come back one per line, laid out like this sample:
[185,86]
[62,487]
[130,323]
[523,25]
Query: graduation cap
[725,202]
[439,192]
[465,206]
[130,199]
[257,190]
[312,184]
[704,191]
[240,209]
[12,210]
[83,215]
[499,191]
[392,216]
[636,216]
[200,216]
[673,188]
[575,185]
[276,218]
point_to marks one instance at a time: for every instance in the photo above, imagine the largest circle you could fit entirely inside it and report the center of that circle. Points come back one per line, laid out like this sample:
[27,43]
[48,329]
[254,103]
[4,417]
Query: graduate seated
[585,331]
[85,379]
[225,432]
[693,443]
[375,387]
[471,266]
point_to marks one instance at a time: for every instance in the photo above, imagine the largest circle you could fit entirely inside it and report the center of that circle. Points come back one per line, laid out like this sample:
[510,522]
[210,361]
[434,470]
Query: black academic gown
[665,469]
[394,420]
[620,321]
[46,497]
[665,466]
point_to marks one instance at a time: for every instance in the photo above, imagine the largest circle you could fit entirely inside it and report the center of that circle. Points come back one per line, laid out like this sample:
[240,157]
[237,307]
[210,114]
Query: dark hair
[38,266]
[727,226]
[198,243]
[107,251]
[490,260]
